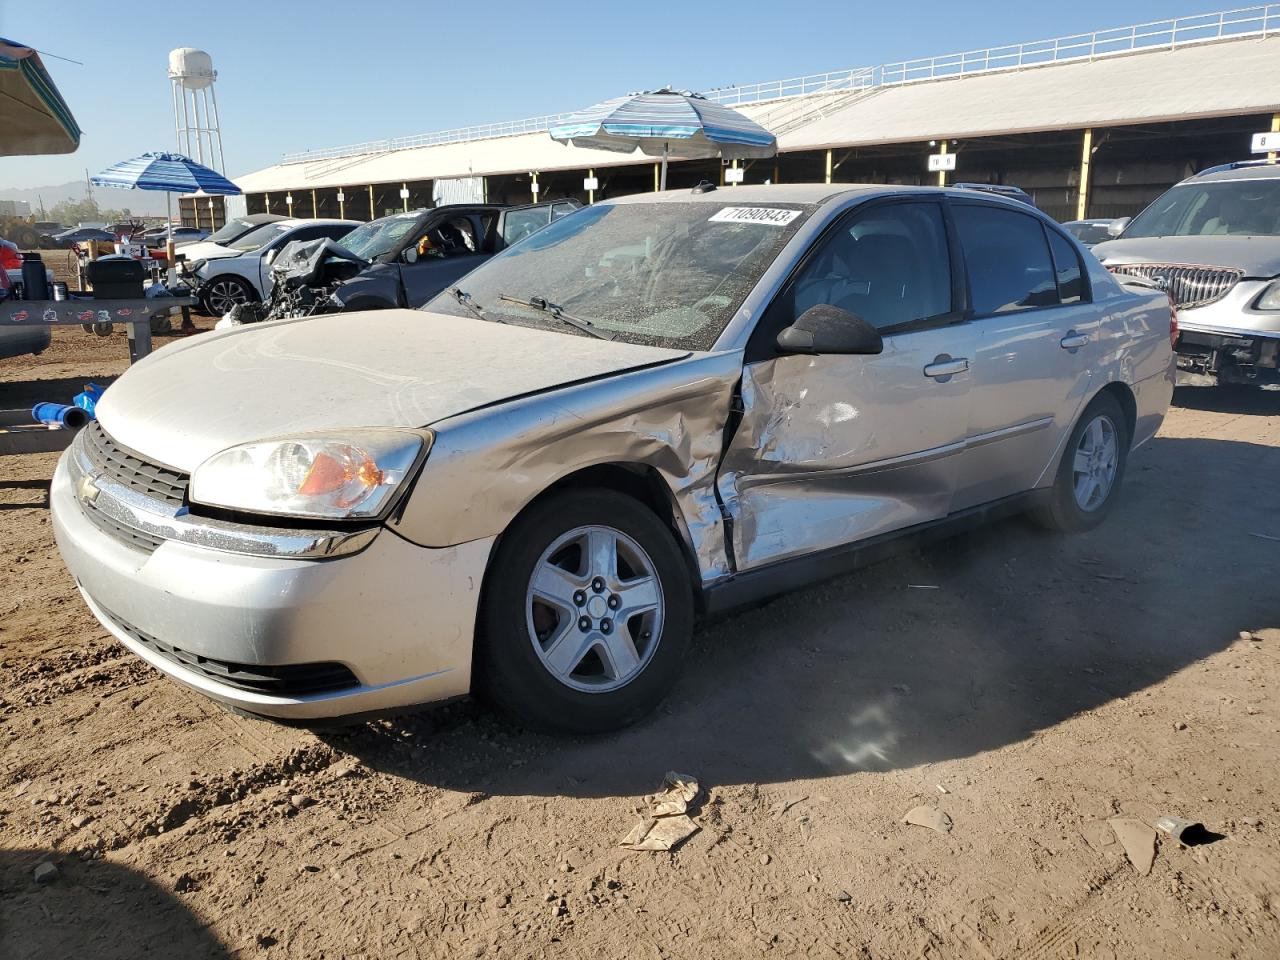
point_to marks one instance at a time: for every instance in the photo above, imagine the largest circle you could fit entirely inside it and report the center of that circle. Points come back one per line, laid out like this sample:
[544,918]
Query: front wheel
[1092,467]
[587,614]
[223,293]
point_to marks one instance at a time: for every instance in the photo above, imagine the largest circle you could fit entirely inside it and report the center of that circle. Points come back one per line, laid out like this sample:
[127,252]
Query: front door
[446,251]
[835,449]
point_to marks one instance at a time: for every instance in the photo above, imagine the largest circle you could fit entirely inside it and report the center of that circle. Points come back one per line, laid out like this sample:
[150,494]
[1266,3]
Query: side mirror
[410,255]
[1116,227]
[827,329]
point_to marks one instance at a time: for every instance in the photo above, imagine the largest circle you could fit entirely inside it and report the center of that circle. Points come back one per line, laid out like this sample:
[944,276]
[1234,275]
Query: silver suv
[1213,242]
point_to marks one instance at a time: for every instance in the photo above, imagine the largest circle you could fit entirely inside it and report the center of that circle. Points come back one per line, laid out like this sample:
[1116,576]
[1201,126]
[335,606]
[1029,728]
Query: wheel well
[1124,396]
[641,482]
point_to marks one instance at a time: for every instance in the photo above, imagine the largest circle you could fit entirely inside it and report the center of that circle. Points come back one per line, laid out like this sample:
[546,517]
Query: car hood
[383,368]
[205,250]
[1256,256]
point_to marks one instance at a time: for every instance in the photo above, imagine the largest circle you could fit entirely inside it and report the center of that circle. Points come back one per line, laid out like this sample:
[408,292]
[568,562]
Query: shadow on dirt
[17,394]
[968,646]
[1255,401]
[94,909]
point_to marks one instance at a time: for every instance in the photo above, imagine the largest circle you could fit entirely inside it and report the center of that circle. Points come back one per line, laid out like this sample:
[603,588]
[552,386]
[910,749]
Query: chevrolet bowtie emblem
[87,489]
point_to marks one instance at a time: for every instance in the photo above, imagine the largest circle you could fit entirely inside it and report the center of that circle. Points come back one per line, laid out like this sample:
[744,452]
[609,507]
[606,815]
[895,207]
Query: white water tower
[195,106]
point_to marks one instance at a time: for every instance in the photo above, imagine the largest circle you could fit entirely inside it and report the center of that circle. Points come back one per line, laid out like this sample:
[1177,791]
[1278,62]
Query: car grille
[1188,284]
[109,525]
[290,680]
[126,467]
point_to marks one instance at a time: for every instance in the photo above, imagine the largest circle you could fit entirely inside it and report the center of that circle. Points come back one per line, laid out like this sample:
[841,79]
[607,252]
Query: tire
[222,293]
[557,657]
[1079,500]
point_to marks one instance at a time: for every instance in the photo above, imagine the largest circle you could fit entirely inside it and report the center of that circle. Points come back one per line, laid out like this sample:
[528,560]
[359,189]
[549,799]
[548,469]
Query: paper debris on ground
[678,791]
[1138,840]
[667,825]
[659,833]
[930,817]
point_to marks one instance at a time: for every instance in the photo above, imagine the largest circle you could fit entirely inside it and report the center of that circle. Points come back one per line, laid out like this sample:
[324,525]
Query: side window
[1007,257]
[559,210]
[1066,264]
[453,238]
[889,265]
[518,224]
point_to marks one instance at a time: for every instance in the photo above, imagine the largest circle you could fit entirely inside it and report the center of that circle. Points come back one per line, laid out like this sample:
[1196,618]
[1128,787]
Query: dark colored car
[71,238]
[413,256]
[1000,190]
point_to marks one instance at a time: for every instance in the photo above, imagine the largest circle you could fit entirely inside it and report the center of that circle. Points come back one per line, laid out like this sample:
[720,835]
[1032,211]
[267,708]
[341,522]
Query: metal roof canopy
[1220,78]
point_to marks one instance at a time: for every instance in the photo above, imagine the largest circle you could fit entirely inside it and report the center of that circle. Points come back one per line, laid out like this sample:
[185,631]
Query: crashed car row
[651,409]
[294,268]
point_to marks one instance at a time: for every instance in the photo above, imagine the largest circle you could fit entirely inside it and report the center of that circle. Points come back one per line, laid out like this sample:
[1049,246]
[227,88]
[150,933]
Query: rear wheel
[223,293]
[587,615]
[1092,467]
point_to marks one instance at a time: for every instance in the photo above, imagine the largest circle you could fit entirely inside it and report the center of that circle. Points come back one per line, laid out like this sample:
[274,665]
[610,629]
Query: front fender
[376,287]
[486,465]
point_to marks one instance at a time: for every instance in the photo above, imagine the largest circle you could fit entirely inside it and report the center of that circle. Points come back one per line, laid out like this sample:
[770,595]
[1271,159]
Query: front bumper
[399,617]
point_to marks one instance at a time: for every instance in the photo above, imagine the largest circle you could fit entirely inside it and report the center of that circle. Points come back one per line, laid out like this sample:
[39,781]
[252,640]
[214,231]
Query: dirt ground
[1038,687]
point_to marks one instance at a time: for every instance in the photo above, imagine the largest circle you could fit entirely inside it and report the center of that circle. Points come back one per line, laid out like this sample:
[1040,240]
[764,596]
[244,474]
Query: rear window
[1007,258]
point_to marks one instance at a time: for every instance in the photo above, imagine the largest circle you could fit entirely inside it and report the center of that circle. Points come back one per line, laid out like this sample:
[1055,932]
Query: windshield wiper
[543,305]
[469,302]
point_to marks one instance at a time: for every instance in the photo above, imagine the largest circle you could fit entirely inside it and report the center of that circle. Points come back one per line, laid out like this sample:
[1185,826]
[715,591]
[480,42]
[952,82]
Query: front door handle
[1073,341]
[945,367]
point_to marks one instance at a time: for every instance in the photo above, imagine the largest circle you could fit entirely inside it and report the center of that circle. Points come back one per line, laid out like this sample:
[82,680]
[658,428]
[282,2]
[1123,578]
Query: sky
[299,75]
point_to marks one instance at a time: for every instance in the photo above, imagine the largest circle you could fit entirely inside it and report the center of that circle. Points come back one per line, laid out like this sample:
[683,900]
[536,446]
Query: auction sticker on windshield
[772,216]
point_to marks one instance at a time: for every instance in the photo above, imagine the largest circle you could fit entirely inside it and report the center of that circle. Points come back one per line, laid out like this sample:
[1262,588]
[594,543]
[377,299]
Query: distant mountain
[144,203]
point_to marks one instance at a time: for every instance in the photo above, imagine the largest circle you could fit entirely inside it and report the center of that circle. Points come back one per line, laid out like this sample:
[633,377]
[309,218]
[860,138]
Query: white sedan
[241,271]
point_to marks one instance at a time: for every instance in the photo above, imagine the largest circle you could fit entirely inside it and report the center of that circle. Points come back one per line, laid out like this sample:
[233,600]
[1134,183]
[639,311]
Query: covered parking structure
[1095,125]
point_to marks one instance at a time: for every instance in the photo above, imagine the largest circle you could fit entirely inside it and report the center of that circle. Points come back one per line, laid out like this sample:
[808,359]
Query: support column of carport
[1086,161]
[1275,128]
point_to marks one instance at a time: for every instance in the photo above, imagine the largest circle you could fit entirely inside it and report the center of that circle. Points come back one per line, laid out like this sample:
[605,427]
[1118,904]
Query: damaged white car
[655,408]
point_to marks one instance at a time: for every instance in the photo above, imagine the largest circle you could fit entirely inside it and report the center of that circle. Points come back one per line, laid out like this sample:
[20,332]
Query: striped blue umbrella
[168,172]
[667,123]
[34,119]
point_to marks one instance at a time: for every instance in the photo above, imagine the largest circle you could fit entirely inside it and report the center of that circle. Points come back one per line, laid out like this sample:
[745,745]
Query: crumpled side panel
[486,466]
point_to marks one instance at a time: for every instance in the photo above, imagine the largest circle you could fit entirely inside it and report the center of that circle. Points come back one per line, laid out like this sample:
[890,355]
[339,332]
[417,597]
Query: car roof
[817,193]
[1240,170]
[318,222]
[258,219]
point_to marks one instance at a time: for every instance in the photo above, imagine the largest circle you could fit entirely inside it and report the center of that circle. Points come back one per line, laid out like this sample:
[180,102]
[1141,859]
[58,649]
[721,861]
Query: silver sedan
[654,409]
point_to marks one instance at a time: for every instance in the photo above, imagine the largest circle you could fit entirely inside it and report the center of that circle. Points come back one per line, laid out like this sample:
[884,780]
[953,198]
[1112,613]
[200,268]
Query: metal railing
[1256,21]
[483,131]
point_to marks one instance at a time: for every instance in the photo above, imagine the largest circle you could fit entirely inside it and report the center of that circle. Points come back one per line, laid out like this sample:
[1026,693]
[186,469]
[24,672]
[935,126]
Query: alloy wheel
[1094,468]
[594,609]
[225,294]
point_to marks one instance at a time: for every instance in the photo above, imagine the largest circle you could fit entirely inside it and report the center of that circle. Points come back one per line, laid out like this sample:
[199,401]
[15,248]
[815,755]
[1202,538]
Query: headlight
[331,476]
[197,266]
[1270,299]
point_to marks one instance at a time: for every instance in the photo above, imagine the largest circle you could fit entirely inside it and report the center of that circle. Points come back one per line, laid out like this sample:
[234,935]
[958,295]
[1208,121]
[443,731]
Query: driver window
[889,265]
[452,238]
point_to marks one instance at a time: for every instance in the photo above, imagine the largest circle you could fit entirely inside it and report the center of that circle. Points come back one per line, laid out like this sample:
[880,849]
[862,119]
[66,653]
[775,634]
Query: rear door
[1036,342]
[834,449]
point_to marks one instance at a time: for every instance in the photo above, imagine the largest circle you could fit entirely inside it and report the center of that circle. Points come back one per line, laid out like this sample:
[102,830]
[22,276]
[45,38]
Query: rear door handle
[1073,341]
[945,367]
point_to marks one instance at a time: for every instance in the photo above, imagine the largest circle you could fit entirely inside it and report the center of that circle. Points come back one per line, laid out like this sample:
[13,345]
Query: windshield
[666,274]
[230,230]
[1226,207]
[257,239]
[371,240]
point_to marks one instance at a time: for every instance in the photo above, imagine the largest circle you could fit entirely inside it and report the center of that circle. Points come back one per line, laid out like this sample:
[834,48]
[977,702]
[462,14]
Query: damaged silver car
[658,408]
